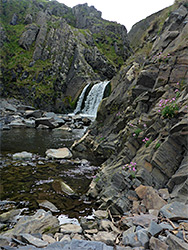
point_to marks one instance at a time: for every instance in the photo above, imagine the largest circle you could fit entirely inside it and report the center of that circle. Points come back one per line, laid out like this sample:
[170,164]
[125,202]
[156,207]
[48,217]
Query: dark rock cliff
[49,51]
[140,135]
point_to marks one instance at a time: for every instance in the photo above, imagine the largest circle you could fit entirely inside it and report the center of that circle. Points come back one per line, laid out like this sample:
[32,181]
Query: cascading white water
[94,98]
[80,100]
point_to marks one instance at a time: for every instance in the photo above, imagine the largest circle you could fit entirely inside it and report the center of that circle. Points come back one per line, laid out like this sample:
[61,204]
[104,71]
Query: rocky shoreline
[154,224]
[154,221]
[16,115]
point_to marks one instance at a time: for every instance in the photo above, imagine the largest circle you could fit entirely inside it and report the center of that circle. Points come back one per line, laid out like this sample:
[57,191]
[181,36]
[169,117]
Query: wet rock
[106,237]
[174,242]
[42,127]
[29,123]
[60,186]
[65,128]
[50,206]
[28,238]
[8,106]
[10,216]
[33,113]
[47,121]
[22,156]
[156,244]
[154,228]
[70,228]
[175,211]
[17,123]
[38,223]
[150,197]
[24,107]
[60,153]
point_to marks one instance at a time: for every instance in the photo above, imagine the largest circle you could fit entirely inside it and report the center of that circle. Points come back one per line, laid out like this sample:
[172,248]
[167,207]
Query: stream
[29,182]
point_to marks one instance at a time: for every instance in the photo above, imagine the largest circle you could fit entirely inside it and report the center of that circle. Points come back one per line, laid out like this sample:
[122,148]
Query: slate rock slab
[174,243]
[37,223]
[28,238]
[156,244]
[175,211]
[154,228]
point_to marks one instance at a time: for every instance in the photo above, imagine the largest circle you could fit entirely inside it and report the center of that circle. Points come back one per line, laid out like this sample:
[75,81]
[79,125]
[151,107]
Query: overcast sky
[126,12]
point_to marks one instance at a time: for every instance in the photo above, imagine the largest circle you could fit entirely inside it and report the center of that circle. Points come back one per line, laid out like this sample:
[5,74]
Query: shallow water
[36,180]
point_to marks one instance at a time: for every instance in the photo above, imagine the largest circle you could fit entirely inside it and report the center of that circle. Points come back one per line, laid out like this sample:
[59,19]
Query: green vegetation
[106,44]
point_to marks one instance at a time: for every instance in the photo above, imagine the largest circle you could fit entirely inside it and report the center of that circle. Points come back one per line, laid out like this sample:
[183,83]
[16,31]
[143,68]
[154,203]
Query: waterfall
[93,99]
[80,100]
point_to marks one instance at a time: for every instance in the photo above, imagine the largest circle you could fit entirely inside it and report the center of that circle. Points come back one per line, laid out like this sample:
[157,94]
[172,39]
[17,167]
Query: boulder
[154,228]
[60,186]
[101,214]
[70,228]
[150,197]
[48,205]
[143,220]
[174,242]
[61,153]
[22,156]
[106,237]
[37,223]
[28,238]
[156,244]
[9,216]
[175,211]
[33,113]
[17,123]
[47,121]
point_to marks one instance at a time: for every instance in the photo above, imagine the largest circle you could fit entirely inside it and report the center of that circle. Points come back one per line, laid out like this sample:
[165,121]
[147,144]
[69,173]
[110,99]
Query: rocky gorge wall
[49,51]
[140,135]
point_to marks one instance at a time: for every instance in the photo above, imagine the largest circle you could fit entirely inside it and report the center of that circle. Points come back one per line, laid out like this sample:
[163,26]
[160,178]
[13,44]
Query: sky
[126,12]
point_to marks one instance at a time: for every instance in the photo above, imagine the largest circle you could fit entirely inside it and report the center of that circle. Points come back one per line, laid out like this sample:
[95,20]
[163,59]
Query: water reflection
[34,180]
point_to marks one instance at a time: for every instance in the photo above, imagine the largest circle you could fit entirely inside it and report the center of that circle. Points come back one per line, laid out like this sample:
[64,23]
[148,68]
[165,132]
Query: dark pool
[36,180]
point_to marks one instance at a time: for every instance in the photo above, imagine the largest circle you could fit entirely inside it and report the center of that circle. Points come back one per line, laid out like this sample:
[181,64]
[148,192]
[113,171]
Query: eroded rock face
[64,45]
[137,126]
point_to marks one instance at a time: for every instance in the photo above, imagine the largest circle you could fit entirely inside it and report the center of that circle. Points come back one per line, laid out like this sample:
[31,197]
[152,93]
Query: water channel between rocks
[35,180]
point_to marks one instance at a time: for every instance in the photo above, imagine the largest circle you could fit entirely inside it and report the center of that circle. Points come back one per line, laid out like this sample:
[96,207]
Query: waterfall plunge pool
[29,182]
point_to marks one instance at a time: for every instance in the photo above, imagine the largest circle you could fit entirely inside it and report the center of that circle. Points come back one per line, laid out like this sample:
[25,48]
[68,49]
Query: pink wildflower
[176,90]
[134,169]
